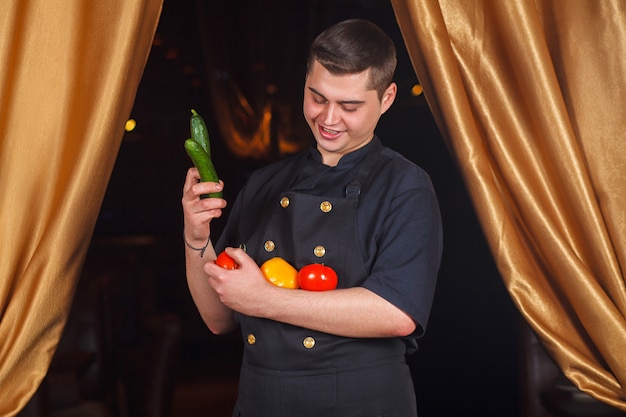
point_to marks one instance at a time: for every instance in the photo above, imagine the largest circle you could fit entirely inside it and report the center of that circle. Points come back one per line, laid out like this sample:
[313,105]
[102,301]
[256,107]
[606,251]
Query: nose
[331,114]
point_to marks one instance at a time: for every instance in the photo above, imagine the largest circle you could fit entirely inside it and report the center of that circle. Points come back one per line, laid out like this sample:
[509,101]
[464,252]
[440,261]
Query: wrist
[197,245]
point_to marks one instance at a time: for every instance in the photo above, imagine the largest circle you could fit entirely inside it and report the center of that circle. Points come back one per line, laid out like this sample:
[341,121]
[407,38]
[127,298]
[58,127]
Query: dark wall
[467,362]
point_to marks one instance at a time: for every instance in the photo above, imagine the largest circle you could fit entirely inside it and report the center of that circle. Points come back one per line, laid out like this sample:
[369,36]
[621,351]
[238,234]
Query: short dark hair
[353,46]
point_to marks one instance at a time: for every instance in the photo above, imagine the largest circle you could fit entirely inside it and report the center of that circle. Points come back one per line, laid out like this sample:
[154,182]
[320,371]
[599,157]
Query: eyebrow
[313,90]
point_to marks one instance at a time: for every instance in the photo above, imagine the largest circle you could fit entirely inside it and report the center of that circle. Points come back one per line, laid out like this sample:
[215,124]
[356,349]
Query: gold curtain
[530,98]
[68,77]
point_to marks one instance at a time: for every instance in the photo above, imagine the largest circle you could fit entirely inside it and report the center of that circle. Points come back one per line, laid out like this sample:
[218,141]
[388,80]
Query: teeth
[332,132]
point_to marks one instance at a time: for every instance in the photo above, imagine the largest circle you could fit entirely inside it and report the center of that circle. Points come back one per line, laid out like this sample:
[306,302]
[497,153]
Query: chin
[329,145]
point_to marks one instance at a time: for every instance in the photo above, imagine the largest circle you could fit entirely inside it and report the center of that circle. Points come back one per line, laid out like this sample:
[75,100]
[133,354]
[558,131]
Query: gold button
[269,246]
[284,202]
[251,339]
[319,251]
[326,206]
[308,342]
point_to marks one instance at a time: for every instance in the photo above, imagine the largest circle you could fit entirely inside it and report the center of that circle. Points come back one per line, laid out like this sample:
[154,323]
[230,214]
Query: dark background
[468,360]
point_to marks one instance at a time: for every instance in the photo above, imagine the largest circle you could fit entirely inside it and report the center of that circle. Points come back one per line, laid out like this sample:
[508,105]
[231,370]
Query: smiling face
[342,111]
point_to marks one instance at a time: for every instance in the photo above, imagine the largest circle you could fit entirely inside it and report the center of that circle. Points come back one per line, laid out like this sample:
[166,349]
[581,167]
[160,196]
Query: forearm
[352,312]
[198,214]
[218,318]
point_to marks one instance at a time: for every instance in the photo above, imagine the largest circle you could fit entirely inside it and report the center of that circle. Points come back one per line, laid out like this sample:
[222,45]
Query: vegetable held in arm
[280,273]
[317,277]
[199,150]
[226,261]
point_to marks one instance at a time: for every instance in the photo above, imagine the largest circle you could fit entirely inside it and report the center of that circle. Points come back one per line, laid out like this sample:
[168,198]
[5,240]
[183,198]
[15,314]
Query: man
[349,203]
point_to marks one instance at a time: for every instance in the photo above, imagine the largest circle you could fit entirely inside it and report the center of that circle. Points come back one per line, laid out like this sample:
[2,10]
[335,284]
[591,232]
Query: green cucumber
[204,164]
[199,131]
[198,148]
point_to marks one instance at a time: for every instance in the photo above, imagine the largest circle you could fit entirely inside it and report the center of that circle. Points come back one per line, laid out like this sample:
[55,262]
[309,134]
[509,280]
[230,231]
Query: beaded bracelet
[202,250]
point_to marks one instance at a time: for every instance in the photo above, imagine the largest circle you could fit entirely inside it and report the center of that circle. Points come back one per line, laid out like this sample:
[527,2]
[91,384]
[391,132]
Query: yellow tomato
[280,273]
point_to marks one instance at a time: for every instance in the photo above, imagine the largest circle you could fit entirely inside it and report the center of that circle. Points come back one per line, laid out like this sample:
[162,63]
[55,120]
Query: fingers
[198,212]
[239,289]
[240,256]
[193,176]
[195,188]
[212,269]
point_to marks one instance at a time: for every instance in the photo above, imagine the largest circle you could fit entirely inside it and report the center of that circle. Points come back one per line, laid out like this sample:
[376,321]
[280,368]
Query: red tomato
[225,261]
[317,277]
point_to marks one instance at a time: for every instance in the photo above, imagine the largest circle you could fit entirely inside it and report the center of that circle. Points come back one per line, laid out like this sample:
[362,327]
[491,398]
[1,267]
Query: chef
[347,202]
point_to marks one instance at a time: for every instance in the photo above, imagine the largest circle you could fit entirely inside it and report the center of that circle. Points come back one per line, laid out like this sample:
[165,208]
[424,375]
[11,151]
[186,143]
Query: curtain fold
[68,78]
[530,96]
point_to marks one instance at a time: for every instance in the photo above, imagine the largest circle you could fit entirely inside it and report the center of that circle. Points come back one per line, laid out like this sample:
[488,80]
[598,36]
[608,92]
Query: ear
[388,97]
